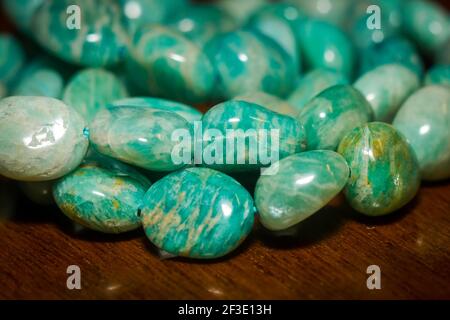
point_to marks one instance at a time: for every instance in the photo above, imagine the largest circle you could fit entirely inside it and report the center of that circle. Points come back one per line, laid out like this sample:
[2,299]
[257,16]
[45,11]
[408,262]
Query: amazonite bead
[332,114]
[246,62]
[427,23]
[102,196]
[138,136]
[332,11]
[100,39]
[296,187]
[439,74]
[326,46]
[197,213]
[187,112]
[39,81]
[12,58]
[313,83]
[90,90]
[250,122]
[41,138]
[241,10]
[40,192]
[384,169]
[424,119]
[21,11]
[386,88]
[165,63]
[269,101]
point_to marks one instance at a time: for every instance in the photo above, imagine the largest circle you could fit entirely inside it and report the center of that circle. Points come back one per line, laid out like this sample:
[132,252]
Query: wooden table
[326,257]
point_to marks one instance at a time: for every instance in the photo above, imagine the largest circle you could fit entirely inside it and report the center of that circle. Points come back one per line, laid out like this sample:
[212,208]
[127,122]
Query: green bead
[138,136]
[424,119]
[298,186]
[335,11]
[102,196]
[197,213]
[332,114]
[386,88]
[165,63]
[246,62]
[12,59]
[439,74]
[89,90]
[249,122]
[326,46]
[39,81]
[187,112]
[38,192]
[21,11]
[268,101]
[384,169]
[241,10]
[101,39]
[313,83]
[40,138]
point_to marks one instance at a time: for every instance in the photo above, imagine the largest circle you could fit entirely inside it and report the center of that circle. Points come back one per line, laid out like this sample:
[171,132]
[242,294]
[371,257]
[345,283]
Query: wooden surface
[325,257]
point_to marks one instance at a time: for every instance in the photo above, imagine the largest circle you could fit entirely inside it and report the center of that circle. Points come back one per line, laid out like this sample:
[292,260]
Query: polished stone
[39,81]
[252,124]
[424,119]
[386,88]
[332,114]
[241,10]
[333,11]
[313,83]
[298,186]
[384,169]
[268,101]
[138,136]
[165,63]
[246,62]
[41,138]
[439,74]
[12,58]
[21,11]
[197,213]
[102,197]
[187,112]
[90,90]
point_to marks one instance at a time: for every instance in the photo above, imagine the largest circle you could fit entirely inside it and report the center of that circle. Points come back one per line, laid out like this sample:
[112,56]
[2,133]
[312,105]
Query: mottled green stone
[250,123]
[197,213]
[12,58]
[384,169]
[333,11]
[268,101]
[138,136]
[424,119]
[296,187]
[313,83]
[427,23]
[386,88]
[439,74]
[101,40]
[326,46]
[165,63]
[332,114]
[44,82]
[241,10]
[39,192]
[21,11]
[102,196]
[90,90]
[246,62]
[41,138]
[187,112]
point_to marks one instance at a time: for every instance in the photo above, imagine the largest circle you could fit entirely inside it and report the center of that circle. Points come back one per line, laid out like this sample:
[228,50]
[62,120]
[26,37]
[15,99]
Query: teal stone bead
[197,213]
[167,64]
[12,58]
[393,50]
[40,192]
[21,11]
[424,119]
[268,101]
[332,11]
[326,46]
[41,138]
[427,23]
[384,169]
[439,74]
[102,196]
[386,88]
[313,83]
[296,187]
[90,90]
[187,112]
[138,136]
[201,22]
[249,122]
[241,10]
[44,82]
[246,62]
[100,40]
[332,114]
